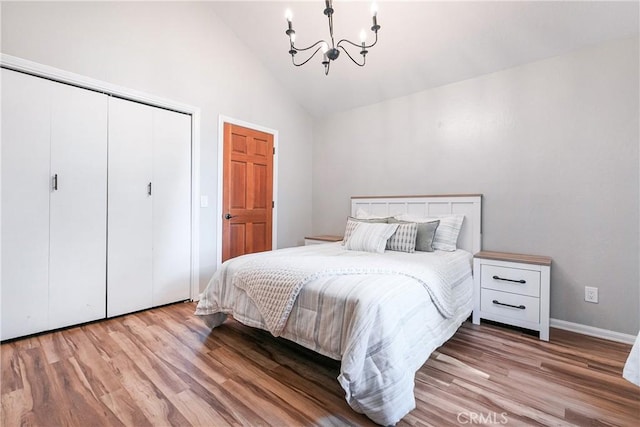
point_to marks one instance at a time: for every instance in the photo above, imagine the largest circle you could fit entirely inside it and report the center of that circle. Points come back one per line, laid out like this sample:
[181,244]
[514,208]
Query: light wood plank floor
[164,367]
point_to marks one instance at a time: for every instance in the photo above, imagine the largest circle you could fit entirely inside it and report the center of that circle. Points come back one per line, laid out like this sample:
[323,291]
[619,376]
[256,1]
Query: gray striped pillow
[404,239]
[426,232]
[446,237]
[370,237]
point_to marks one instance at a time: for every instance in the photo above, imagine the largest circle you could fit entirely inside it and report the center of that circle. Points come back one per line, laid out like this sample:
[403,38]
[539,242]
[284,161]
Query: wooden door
[130,225]
[247,191]
[78,204]
[26,184]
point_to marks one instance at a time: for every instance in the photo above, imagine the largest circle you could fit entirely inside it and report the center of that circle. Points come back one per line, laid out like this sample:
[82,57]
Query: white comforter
[382,327]
[631,371]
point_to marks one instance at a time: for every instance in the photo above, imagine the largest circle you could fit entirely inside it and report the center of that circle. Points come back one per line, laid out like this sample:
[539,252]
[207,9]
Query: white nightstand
[316,240]
[512,289]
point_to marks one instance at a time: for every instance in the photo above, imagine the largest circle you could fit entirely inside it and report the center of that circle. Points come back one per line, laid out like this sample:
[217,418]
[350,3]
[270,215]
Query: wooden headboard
[470,205]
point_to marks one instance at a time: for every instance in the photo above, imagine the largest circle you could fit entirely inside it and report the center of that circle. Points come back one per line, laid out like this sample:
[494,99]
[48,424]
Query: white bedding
[382,327]
[631,371]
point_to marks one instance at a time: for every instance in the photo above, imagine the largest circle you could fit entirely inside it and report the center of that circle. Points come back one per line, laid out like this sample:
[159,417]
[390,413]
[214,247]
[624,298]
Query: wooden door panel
[238,191]
[238,143]
[238,239]
[261,147]
[259,237]
[247,191]
[260,184]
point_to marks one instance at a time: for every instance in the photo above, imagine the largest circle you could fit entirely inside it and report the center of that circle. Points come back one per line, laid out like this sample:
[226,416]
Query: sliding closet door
[25,191]
[130,227]
[77,275]
[149,213]
[171,206]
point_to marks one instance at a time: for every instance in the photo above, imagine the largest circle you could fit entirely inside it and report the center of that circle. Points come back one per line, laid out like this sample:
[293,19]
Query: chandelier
[331,51]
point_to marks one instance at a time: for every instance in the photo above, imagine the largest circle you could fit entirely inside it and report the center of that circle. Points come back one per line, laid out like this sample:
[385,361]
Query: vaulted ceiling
[422,44]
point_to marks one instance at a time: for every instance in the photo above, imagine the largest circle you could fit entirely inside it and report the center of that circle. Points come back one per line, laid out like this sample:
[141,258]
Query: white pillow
[370,237]
[446,237]
[352,222]
[362,214]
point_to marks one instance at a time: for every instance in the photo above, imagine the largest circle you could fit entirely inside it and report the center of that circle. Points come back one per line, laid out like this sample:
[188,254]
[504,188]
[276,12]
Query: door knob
[228,216]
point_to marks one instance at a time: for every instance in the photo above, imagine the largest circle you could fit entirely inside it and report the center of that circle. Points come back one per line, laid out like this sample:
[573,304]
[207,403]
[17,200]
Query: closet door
[26,185]
[77,272]
[130,227]
[171,206]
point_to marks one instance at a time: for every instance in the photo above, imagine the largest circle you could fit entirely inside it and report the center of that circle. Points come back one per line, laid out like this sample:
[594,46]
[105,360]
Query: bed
[380,314]
[631,371]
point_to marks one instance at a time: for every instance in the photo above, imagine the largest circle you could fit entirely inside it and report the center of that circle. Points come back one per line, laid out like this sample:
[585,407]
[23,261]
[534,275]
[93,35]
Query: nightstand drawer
[510,305]
[514,280]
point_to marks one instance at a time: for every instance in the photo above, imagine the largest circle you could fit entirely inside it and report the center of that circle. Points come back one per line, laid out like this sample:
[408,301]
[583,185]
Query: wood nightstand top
[506,256]
[325,238]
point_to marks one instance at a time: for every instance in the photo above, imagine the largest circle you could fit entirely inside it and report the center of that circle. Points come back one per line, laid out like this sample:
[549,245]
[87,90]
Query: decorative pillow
[404,239]
[352,222]
[370,237]
[362,214]
[446,237]
[424,237]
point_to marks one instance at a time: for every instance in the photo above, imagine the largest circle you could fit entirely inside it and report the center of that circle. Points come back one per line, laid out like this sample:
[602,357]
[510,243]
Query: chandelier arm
[360,45]
[351,43]
[307,60]
[374,42]
[302,49]
[364,58]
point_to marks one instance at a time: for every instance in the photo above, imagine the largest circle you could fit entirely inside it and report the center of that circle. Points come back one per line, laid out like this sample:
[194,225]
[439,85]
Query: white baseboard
[592,331]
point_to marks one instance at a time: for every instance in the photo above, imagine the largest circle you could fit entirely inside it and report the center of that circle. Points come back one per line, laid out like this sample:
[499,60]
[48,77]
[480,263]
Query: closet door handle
[228,216]
[149,189]
[54,182]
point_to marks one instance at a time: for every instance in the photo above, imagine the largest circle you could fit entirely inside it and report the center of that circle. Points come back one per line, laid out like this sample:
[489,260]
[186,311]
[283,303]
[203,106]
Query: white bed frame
[469,205]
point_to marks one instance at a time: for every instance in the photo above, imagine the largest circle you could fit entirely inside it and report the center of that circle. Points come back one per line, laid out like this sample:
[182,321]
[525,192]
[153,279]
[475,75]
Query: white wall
[182,52]
[552,145]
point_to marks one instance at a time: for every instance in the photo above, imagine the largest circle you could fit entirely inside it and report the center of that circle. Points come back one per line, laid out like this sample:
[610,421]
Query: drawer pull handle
[509,280]
[519,307]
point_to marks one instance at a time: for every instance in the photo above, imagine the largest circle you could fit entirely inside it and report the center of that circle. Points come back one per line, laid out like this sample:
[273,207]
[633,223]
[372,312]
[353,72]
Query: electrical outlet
[591,294]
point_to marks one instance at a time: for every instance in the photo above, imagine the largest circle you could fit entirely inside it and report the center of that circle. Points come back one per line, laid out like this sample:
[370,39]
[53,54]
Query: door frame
[274,218]
[36,69]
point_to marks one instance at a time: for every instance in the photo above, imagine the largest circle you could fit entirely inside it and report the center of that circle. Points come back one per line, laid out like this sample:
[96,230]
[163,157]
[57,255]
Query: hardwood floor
[165,367]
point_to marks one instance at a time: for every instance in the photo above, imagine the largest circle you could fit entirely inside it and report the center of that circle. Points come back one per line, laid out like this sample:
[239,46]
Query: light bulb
[374,17]
[363,36]
[325,47]
[288,15]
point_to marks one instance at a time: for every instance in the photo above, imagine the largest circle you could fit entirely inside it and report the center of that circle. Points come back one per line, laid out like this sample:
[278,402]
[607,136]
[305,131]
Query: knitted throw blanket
[273,282]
